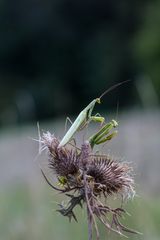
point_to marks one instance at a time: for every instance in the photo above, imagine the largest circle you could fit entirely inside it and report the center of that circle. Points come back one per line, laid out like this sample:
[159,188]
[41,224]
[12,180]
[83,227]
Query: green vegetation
[55,54]
[26,214]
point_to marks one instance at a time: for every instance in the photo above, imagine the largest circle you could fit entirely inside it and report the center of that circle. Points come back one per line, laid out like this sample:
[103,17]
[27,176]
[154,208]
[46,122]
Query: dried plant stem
[89,224]
[90,212]
[55,188]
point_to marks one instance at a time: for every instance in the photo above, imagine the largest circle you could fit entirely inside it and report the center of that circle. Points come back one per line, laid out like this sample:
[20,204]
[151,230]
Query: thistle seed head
[91,177]
[62,160]
[115,177]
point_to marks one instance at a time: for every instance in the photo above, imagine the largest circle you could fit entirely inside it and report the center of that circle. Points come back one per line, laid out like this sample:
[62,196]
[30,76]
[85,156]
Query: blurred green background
[55,57]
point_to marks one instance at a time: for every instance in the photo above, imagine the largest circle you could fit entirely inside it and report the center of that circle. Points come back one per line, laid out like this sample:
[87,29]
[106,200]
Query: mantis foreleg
[103,135]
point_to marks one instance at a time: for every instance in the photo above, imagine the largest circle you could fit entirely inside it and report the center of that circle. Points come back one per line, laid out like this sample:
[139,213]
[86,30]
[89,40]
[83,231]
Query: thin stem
[55,188]
[89,207]
[89,224]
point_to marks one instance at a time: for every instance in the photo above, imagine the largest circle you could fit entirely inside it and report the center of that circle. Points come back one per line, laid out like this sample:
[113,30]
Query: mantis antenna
[113,87]
[85,116]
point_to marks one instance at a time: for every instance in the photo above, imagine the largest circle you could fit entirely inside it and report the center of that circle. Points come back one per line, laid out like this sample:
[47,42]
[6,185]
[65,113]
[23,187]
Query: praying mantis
[85,117]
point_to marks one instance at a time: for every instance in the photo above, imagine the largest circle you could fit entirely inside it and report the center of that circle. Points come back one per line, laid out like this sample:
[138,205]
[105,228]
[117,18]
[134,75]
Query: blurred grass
[28,213]
[27,204]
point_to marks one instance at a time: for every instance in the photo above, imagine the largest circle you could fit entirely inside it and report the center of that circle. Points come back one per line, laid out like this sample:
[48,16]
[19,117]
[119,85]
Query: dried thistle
[88,178]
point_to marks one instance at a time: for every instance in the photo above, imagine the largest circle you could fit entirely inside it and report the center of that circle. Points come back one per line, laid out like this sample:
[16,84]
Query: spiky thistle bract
[88,179]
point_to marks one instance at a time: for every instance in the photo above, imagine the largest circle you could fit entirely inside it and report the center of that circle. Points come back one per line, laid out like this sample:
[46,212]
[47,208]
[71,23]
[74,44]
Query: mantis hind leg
[72,142]
[97,115]
[66,122]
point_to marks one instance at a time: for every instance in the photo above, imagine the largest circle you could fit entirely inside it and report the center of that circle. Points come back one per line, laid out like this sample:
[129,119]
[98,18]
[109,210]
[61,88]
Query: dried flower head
[93,179]
[115,177]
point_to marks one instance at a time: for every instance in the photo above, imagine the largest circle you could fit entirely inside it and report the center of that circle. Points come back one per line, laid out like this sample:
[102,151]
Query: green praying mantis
[85,117]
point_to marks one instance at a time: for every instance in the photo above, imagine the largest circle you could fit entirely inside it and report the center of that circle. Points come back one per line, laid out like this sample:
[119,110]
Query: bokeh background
[55,57]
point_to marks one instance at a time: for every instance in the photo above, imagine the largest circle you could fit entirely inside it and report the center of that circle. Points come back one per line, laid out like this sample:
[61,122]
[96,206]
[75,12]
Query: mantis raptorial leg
[85,117]
[104,135]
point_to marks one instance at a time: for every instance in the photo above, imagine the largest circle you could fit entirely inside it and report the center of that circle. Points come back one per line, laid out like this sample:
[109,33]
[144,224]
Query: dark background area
[56,56]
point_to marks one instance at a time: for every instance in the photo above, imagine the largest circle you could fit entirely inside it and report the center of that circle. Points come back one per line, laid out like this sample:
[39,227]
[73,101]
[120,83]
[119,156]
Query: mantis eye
[98,100]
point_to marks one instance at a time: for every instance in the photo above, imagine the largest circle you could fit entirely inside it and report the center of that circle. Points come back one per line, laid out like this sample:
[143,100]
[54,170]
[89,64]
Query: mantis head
[98,100]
